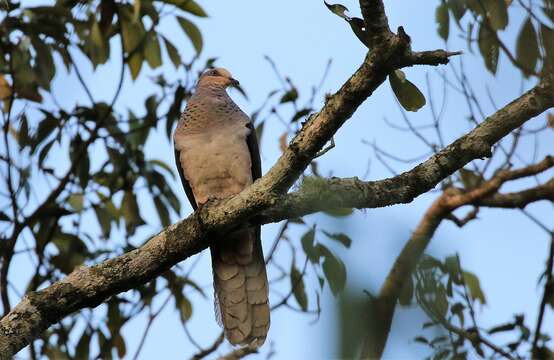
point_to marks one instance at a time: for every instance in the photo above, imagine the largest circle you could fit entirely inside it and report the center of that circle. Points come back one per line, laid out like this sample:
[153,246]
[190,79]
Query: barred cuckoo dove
[217,156]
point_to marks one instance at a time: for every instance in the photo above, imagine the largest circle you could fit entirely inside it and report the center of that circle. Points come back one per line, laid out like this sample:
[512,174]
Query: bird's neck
[212,90]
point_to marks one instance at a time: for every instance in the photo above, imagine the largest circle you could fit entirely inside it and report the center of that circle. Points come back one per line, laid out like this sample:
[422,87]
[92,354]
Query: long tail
[241,288]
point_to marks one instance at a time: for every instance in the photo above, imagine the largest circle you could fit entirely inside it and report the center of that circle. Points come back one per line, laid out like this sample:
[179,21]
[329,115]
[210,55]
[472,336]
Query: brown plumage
[217,156]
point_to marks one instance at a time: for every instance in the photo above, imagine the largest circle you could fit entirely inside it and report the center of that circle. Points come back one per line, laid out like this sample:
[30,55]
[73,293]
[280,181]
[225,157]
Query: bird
[217,156]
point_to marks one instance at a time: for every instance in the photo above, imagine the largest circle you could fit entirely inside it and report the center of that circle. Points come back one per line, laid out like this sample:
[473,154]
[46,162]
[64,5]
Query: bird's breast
[216,161]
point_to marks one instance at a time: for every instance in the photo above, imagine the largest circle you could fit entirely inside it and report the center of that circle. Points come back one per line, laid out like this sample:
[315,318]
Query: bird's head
[217,77]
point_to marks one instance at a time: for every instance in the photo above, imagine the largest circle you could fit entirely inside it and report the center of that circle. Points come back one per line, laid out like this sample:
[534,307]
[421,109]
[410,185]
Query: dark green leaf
[497,13]
[76,201]
[82,349]
[131,213]
[527,47]
[474,287]
[443,20]
[335,272]
[152,51]
[192,32]
[300,114]
[311,251]
[289,96]
[189,6]
[135,64]
[173,53]
[458,8]
[488,47]
[298,288]
[408,94]
[337,9]
[162,211]
[340,237]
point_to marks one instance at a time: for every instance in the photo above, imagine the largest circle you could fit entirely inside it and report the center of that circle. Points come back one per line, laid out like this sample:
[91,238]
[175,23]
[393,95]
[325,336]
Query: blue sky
[503,248]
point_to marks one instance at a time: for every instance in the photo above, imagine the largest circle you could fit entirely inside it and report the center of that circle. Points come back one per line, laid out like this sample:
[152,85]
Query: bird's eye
[212,72]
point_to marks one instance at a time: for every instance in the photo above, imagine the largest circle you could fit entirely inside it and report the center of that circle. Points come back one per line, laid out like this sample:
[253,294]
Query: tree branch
[385,304]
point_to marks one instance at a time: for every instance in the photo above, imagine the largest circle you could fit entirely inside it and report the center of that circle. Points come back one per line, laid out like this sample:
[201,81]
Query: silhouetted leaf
[76,201]
[82,349]
[488,47]
[307,242]
[335,272]
[152,51]
[192,32]
[443,20]
[173,53]
[189,6]
[340,237]
[298,288]
[337,9]
[408,94]
[474,287]
[527,47]
[497,13]
[289,96]
[162,211]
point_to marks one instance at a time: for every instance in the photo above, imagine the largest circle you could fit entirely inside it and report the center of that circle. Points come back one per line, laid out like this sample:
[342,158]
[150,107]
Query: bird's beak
[234,82]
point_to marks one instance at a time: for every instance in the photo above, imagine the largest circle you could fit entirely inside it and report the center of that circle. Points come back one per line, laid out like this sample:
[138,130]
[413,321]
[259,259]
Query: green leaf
[173,53]
[104,220]
[97,46]
[339,212]
[406,92]
[335,272]
[488,47]
[307,242]
[76,201]
[131,212]
[83,346]
[441,301]
[340,237]
[132,32]
[547,36]
[298,288]
[458,8]
[152,52]
[189,6]
[337,9]
[185,309]
[192,32]
[162,212]
[474,286]
[443,20]
[289,96]
[527,48]
[497,13]
[135,64]
[300,114]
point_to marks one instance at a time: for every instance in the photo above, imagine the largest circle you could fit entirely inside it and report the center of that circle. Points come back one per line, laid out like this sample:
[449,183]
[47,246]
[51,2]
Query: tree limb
[384,305]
